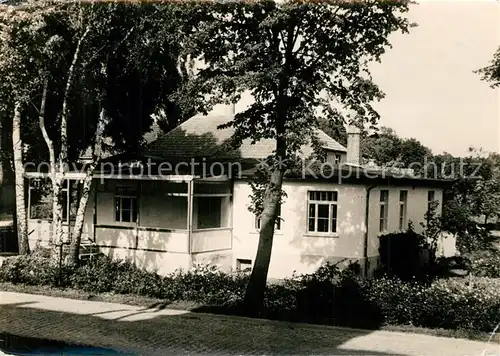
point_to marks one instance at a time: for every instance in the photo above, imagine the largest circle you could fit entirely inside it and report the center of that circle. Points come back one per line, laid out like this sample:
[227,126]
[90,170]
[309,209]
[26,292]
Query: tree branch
[64,117]
[41,123]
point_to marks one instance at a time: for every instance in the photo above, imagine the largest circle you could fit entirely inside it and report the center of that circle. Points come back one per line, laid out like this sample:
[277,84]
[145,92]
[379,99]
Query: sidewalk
[171,332]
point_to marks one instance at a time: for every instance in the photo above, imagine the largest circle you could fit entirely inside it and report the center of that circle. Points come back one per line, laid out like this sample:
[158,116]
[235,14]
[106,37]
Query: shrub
[205,284]
[454,303]
[444,266]
[98,275]
[484,263]
[329,295]
[401,255]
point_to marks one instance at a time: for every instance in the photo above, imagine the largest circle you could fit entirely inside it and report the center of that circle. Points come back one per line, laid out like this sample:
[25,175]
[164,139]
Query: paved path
[169,332]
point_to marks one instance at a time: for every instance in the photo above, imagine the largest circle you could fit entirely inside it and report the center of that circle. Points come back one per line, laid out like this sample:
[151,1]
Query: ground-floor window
[125,205]
[209,212]
[40,199]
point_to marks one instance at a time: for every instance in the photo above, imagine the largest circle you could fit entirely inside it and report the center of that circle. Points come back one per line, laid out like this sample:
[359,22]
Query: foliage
[284,55]
[402,255]
[491,73]
[38,268]
[472,199]
[484,263]
[330,295]
[387,149]
[432,226]
[132,48]
[455,303]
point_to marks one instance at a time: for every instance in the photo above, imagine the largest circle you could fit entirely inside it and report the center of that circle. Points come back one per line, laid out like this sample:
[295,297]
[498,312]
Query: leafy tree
[333,128]
[491,73]
[16,89]
[387,149]
[295,58]
[384,147]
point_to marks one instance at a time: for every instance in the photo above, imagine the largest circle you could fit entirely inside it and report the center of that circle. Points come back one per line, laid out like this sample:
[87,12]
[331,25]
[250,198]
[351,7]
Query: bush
[206,284]
[41,267]
[445,266]
[329,295]
[454,303]
[402,255]
[484,263]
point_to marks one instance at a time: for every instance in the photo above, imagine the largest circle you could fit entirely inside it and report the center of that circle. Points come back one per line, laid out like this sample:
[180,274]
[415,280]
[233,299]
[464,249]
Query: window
[277,224]
[384,207]
[40,191]
[337,159]
[125,205]
[430,198]
[322,214]
[209,212]
[40,199]
[403,199]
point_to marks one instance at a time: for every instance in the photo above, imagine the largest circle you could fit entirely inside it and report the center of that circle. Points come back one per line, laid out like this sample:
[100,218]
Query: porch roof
[148,167]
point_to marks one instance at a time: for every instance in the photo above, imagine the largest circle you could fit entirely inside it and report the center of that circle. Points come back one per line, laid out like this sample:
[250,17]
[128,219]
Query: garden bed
[458,307]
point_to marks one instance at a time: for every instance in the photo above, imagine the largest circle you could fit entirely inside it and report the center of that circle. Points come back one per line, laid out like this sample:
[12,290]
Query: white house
[185,200]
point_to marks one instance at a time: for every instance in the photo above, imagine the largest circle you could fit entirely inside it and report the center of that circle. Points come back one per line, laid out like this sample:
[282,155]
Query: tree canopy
[138,46]
[301,61]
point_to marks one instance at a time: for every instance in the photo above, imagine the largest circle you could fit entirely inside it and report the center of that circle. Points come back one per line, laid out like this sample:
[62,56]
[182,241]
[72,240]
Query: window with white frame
[403,201]
[322,211]
[277,224]
[125,205]
[337,159]
[384,207]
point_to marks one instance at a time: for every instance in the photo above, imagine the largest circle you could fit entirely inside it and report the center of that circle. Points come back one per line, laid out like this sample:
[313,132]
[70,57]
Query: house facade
[192,206]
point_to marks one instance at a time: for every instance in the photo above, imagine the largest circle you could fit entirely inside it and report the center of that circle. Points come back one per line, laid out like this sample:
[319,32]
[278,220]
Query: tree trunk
[55,178]
[1,157]
[57,209]
[21,218]
[76,237]
[254,296]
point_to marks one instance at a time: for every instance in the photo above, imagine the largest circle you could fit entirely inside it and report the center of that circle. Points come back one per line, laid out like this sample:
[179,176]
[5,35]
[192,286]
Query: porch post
[28,213]
[94,217]
[190,214]
[139,208]
[68,209]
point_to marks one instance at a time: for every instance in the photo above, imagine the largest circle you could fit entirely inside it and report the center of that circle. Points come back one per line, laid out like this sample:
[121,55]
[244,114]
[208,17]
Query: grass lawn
[187,305]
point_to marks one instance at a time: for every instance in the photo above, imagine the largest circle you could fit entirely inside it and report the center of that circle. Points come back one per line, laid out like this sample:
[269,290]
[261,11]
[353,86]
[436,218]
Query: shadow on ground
[149,332]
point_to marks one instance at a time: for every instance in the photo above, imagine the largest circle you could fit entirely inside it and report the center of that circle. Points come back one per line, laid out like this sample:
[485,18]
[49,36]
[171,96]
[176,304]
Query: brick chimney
[353,145]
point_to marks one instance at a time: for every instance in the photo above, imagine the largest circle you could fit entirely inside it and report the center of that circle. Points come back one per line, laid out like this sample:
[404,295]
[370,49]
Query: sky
[431,91]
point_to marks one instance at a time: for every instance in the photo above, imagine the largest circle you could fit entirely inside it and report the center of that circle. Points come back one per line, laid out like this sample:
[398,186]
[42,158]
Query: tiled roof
[199,137]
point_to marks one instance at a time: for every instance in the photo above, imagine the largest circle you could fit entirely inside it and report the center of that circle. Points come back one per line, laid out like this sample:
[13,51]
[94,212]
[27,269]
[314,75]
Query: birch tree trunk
[59,168]
[55,178]
[21,218]
[57,208]
[76,237]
